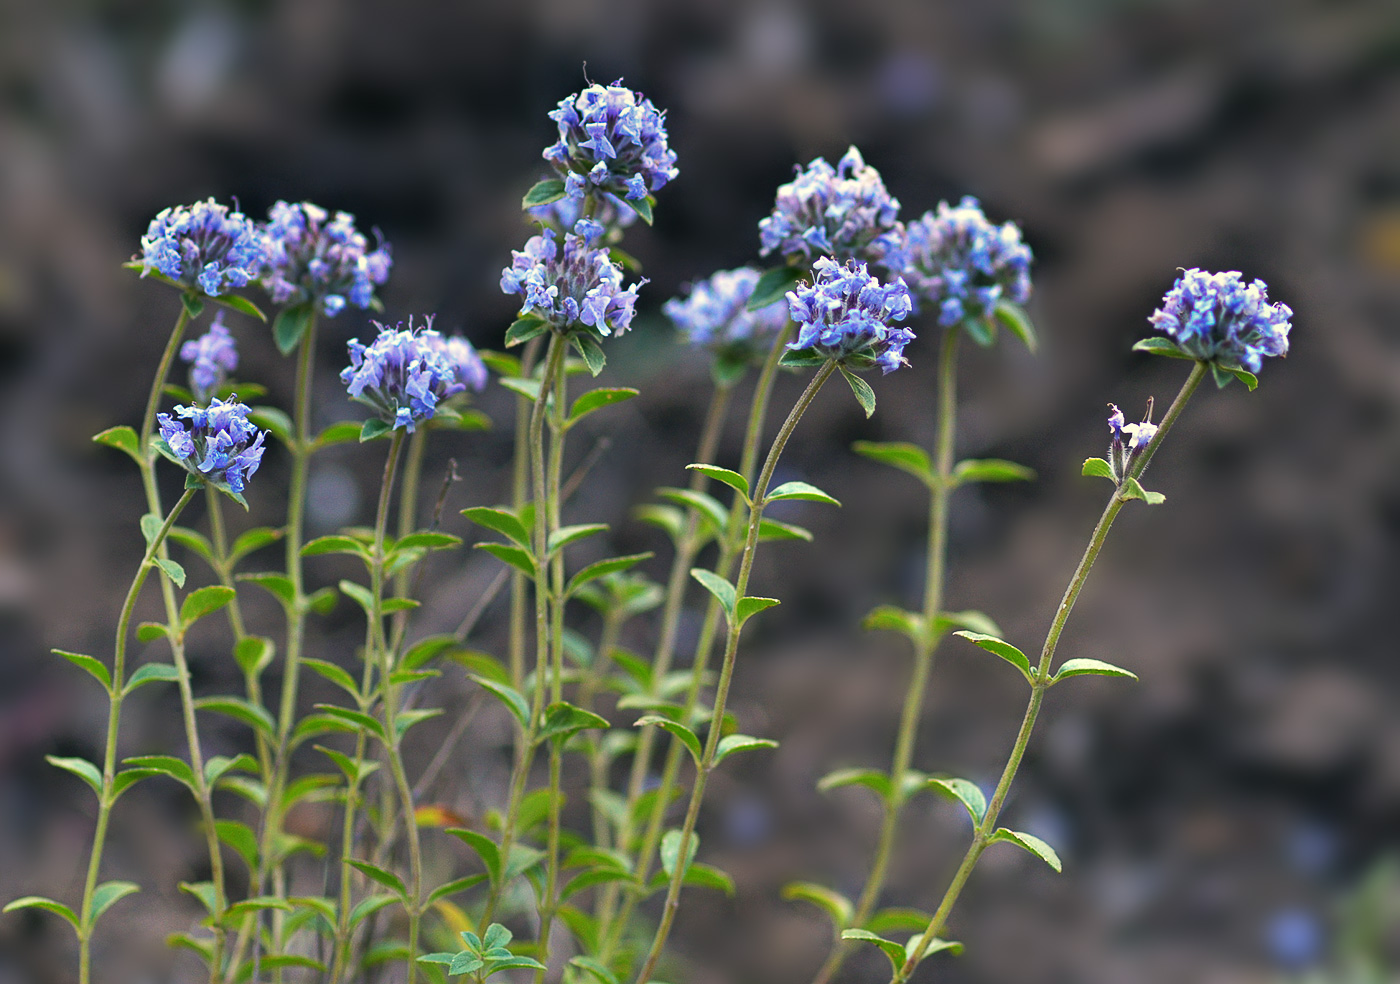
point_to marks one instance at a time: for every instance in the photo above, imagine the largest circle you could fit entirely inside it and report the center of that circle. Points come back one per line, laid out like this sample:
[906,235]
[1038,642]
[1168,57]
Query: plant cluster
[370,901]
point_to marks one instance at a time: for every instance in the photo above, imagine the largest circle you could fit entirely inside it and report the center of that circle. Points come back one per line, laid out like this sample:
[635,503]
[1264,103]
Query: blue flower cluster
[612,139]
[1220,318]
[461,355]
[843,212]
[211,357]
[963,265]
[312,260]
[203,247]
[846,312]
[714,313]
[578,285]
[402,375]
[220,445]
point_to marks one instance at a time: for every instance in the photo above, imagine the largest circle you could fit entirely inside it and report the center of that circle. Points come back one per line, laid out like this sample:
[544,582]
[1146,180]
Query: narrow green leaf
[341,432]
[1027,842]
[122,438]
[253,654]
[773,286]
[896,919]
[509,696]
[528,388]
[374,428]
[240,709]
[974,620]
[730,744]
[562,719]
[593,355]
[717,586]
[601,567]
[1015,319]
[241,838]
[799,490]
[502,521]
[774,529]
[543,192]
[962,791]
[1159,345]
[894,951]
[747,608]
[454,887]
[598,971]
[355,770]
[991,470]
[151,673]
[686,736]
[486,849]
[1132,489]
[48,905]
[1097,468]
[1223,375]
[708,876]
[335,674]
[865,396]
[597,399]
[888,618]
[369,906]
[833,903]
[240,304]
[108,894]
[707,505]
[897,454]
[642,206]
[407,719]
[81,768]
[358,719]
[277,585]
[1002,648]
[357,593]
[566,535]
[94,667]
[217,766]
[193,303]
[383,876]
[203,601]
[276,421]
[335,544]
[516,557]
[427,540]
[524,328]
[1087,667]
[203,891]
[671,852]
[290,325]
[194,542]
[426,649]
[167,765]
[725,476]
[151,631]
[872,779]
[172,570]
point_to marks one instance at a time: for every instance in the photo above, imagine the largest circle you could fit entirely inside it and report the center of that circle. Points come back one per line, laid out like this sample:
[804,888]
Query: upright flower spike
[964,266]
[714,315]
[315,259]
[574,290]
[613,140]
[1220,319]
[842,212]
[220,445]
[212,356]
[402,375]
[204,247]
[845,315]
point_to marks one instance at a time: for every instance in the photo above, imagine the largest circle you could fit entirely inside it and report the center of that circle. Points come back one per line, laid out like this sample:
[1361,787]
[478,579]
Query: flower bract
[220,445]
[611,139]
[212,356]
[845,314]
[313,258]
[1220,318]
[962,265]
[402,375]
[204,247]
[576,287]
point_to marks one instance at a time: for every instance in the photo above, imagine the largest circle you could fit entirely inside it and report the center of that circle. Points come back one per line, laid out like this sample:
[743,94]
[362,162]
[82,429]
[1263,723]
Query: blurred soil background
[1213,818]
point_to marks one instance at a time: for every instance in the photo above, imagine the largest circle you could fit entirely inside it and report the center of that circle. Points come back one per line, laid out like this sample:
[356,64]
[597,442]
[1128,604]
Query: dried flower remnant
[203,247]
[845,315]
[327,263]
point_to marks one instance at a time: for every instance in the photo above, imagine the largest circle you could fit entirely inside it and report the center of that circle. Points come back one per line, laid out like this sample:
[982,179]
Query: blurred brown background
[1212,818]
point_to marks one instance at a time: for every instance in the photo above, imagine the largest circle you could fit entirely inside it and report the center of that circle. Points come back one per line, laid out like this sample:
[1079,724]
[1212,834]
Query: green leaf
[275,421]
[454,887]
[899,919]
[81,768]
[707,505]
[277,585]
[686,736]
[642,206]
[598,399]
[203,601]
[334,544]
[872,779]
[543,192]
[219,765]
[1158,345]
[897,454]
[1132,489]
[747,608]
[807,358]
[48,905]
[383,876]
[730,744]
[355,770]
[981,329]
[500,520]
[799,490]
[963,791]
[773,286]
[369,906]
[708,876]
[1089,667]
[1015,319]
[833,903]
[240,304]
[290,325]
[528,388]
[253,654]
[516,557]
[358,719]
[151,631]
[1223,375]
[193,303]
[566,535]
[241,838]
[592,352]
[1035,845]
[991,470]
[94,667]
[151,525]
[374,428]
[724,476]
[108,894]
[426,649]
[1097,468]
[172,570]
[486,849]
[865,396]
[888,618]
[671,852]
[597,970]
[195,542]
[167,765]
[974,620]
[717,586]
[151,673]
[601,567]
[562,719]
[124,439]
[773,529]
[508,696]
[894,951]
[341,432]
[240,709]
[1002,648]
[524,328]
[335,674]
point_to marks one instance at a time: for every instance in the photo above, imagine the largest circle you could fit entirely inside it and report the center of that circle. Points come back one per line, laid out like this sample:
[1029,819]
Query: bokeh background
[1217,820]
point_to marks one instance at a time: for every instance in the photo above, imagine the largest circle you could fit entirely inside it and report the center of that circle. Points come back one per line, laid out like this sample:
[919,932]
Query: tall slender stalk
[702,772]
[982,836]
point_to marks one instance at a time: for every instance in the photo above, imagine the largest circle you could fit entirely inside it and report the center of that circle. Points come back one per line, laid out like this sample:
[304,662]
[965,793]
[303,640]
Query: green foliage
[773,286]
[1084,667]
[865,396]
[906,457]
[1002,648]
[799,490]
[1029,843]
[840,909]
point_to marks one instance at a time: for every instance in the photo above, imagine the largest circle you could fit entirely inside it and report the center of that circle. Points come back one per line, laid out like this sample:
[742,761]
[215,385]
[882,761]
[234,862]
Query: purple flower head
[212,356]
[203,247]
[220,445]
[402,375]
[1219,318]
[714,315]
[576,288]
[846,312]
[461,355]
[329,263]
[963,265]
[842,212]
[563,214]
[612,140]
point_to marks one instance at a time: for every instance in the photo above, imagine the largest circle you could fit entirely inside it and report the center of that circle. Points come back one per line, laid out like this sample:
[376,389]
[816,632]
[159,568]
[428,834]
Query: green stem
[982,836]
[702,772]
[939,494]
[520,494]
[107,797]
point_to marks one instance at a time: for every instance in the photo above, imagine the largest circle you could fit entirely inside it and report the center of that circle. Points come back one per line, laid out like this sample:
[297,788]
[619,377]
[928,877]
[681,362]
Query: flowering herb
[212,356]
[1128,441]
[564,213]
[204,247]
[845,315]
[965,267]
[220,445]
[714,315]
[1220,319]
[326,263]
[402,375]
[843,212]
[461,355]
[613,140]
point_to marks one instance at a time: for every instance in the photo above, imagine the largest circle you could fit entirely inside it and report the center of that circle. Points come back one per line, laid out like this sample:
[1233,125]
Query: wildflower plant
[379,890]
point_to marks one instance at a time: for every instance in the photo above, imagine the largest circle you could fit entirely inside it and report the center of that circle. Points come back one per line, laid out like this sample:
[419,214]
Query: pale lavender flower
[461,355]
[714,313]
[313,260]
[845,314]
[564,213]
[402,375]
[1128,441]
[204,247]
[573,289]
[220,445]
[963,265]
[613,140]
[212,356]
[1219,318]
